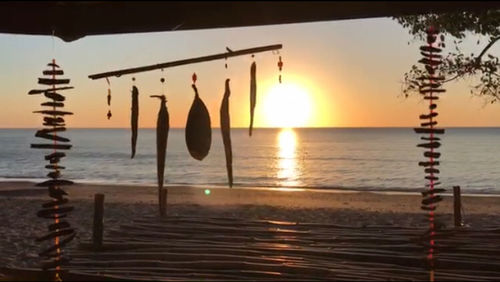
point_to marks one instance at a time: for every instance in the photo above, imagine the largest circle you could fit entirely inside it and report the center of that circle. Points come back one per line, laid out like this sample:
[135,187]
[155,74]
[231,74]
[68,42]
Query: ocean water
[382,159]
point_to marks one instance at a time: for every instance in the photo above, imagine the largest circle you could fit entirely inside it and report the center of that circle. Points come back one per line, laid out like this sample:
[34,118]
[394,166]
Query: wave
[20,177]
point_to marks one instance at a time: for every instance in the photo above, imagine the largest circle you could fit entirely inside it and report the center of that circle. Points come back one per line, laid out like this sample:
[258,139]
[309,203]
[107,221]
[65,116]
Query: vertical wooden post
[457,205]
[98,222]
[163,202]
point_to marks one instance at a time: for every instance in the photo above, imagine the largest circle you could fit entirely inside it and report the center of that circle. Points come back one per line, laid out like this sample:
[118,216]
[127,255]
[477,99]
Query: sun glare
[287,164]
[287,105]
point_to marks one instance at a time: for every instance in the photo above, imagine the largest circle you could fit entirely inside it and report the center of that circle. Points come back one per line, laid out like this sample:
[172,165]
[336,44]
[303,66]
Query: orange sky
[350,72]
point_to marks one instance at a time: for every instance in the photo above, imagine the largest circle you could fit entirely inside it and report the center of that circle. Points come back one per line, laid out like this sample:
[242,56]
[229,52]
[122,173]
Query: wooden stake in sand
[457,206]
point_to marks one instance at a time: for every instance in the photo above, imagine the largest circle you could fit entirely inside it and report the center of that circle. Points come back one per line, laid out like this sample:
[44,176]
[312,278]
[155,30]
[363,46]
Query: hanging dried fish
[429,87]
[225,128]
[198,129]
[60,231]
[162,128]
[253,94]
[134,117]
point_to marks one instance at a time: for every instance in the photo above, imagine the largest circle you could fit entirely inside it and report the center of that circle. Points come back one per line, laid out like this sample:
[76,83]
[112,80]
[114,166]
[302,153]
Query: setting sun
[287,105]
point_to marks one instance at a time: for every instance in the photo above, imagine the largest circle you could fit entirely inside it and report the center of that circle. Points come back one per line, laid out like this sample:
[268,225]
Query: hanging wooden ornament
[225,126]
[60,230]
[253,94]
[162,128]
[430,87]
[134,117]
[198,128]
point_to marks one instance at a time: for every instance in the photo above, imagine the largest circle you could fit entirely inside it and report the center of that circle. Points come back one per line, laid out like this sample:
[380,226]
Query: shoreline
[223,197]
[388,191]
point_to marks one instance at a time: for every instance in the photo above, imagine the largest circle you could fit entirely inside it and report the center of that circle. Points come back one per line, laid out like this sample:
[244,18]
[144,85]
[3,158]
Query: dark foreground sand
[20,201]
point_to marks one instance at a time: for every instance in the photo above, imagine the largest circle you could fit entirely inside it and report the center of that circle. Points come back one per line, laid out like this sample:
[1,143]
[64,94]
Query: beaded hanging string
[109,99]
[162,80]
[280,67]
[429,87]
[60,231]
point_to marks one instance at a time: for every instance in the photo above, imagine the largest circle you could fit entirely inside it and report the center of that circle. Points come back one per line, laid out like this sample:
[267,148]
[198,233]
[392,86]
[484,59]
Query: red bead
[194,77]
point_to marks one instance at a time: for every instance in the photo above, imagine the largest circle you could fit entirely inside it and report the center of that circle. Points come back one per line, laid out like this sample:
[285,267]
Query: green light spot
[207,192]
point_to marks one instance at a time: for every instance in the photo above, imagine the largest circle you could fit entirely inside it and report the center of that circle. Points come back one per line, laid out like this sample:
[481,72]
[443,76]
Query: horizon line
[322,127]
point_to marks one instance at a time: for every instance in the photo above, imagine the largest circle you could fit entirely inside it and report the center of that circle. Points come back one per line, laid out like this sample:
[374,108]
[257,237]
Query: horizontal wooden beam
[225,55]
[70,20]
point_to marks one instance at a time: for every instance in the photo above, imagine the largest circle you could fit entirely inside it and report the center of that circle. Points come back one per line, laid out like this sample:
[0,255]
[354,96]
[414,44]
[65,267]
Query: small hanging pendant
[194,77]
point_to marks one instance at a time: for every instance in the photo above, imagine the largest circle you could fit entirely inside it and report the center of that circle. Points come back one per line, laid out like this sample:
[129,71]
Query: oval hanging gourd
[198,129]
[225,127]
[134,118]
[162,128]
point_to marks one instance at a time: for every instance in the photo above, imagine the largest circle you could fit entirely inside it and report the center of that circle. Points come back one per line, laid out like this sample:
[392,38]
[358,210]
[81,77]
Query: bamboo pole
[225,55]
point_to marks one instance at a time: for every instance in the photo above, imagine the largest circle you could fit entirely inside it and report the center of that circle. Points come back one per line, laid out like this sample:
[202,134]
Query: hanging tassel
[198,128]
[134,117]
[225,126]
[253,94]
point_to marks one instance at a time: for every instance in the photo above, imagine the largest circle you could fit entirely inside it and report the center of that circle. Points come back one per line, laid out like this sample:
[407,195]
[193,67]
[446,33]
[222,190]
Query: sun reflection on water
[287,158]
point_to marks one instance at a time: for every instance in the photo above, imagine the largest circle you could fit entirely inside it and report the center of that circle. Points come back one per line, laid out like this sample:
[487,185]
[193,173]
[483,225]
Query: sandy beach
[21,200]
